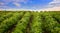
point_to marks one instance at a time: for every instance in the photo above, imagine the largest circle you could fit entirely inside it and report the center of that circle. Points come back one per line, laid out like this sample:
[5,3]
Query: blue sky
[29,4]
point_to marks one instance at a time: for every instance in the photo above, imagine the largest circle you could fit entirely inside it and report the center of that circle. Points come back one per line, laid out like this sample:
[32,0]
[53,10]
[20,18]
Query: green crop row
[21,26]
[6,24]
[36,24]
[50,25]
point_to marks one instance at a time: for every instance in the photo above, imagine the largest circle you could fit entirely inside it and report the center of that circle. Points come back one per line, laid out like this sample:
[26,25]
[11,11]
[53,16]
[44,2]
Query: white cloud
[53,6]
[20,0]
[17,4]
[55,3]
[1,3]
[15,1]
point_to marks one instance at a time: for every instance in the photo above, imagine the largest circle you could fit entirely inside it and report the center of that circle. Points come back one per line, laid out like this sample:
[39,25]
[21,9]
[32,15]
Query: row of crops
[29,22]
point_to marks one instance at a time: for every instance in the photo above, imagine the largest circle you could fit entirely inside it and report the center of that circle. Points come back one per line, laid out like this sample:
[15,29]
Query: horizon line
[26,10]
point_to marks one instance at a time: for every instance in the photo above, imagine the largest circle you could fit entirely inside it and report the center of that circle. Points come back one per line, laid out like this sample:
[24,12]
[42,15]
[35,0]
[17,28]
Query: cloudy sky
[30,4]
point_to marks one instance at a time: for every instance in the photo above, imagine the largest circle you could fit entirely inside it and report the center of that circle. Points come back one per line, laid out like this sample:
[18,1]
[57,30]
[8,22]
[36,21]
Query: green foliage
[34,22]
[50,24]
[6,24]
[21,26]
[5,17]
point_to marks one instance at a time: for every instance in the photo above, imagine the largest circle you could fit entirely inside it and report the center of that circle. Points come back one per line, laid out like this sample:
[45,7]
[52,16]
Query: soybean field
[29,22]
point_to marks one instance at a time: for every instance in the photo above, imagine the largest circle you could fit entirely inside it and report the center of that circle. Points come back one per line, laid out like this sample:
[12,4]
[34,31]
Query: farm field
[29,22]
